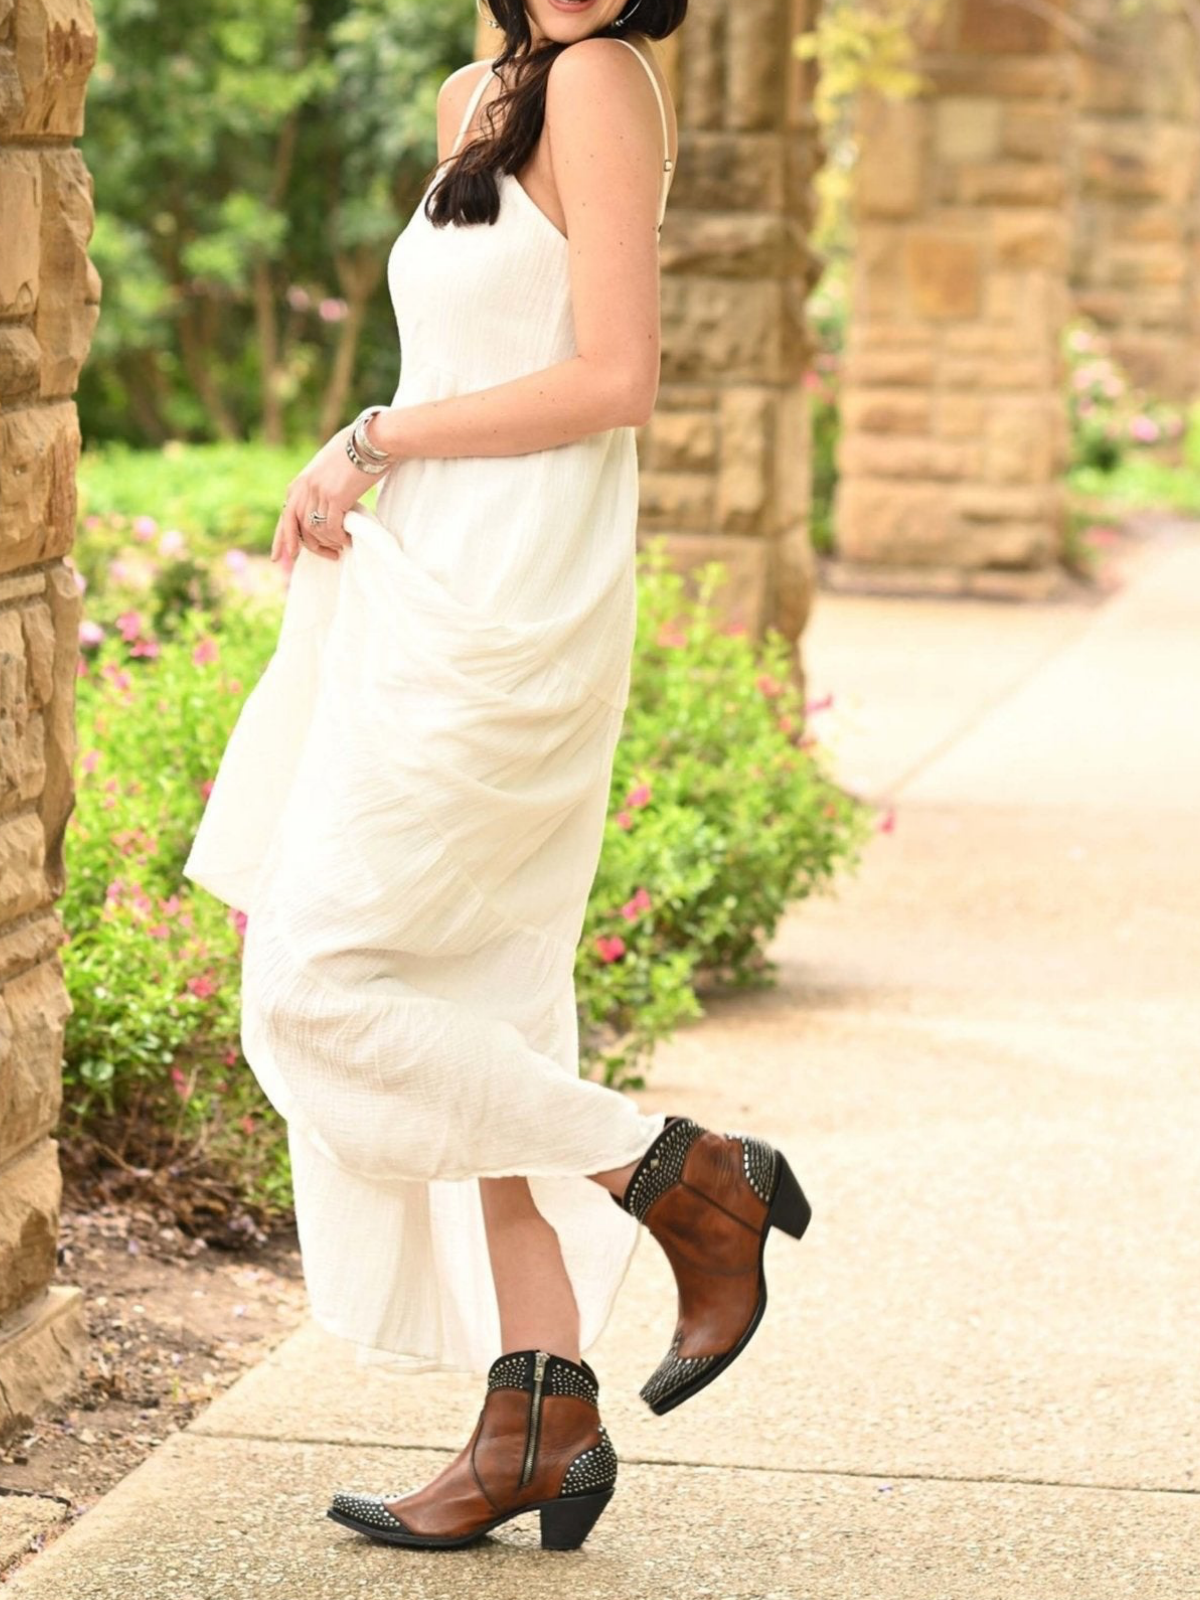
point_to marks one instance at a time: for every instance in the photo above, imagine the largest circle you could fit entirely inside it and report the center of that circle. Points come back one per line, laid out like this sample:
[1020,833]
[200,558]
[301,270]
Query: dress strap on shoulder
[668,164]
[473,100]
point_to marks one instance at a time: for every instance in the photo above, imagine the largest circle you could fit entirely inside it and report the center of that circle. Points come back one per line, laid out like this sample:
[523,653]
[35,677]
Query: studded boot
[539,1445]
[710,1199]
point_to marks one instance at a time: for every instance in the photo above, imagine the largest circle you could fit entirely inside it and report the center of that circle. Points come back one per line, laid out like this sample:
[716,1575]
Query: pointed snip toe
[539,1445]
[710,1199]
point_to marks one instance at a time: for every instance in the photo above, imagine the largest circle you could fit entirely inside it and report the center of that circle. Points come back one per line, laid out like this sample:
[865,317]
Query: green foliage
[828,311]
[1109,417]
[721,816]
[252,168]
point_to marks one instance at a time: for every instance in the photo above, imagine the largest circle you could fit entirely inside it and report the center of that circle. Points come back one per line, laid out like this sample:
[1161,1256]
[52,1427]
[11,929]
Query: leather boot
[539,1445]
[710,1199]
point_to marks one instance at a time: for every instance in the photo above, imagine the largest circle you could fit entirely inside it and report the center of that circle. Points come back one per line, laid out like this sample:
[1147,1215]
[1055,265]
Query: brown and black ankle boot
[710,1199]
[539,1445]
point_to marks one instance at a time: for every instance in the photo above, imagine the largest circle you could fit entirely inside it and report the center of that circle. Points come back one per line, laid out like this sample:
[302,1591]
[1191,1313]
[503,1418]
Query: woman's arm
[603,136]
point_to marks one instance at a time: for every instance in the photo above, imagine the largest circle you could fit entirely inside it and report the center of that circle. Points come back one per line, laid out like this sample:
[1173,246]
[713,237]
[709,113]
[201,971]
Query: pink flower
[887,823]
[202,986]
[206,787]
[145,647]
[785,723]
[234,686]
[247,1124]
[625,820]
[632,909]
[236,560]
[639,796]
[92,522]
[670,637]
[610,949]
[182,1087]
[117,675]
[170,905]
[90,632]
[813,706]
[230,1058]
[768,685]
[332,309]
[88,764]
[205,651]
[1144,429]
[298,297]
[171,543]
[238,918]
[160,930]
[144,527]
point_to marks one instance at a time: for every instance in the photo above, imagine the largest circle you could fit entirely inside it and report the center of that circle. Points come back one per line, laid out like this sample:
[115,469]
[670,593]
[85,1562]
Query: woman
[410,808]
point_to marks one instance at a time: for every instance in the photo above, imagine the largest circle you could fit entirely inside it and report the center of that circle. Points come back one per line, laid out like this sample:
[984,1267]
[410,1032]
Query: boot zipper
[535,1415]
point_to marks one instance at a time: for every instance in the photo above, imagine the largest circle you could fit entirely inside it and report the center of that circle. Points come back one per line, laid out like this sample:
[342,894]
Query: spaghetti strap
[668,164]
[473,101]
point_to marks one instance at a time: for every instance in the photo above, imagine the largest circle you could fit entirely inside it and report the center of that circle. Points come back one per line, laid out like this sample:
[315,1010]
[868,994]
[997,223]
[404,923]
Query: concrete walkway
[978,1375]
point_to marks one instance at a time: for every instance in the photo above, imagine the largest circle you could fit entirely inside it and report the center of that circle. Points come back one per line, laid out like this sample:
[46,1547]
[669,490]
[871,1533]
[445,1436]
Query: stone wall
[954,427]
[1135,265]
[725,459]
[49,297]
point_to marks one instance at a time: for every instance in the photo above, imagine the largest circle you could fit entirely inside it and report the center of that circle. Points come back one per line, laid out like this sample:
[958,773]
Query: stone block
[21,207]
[898,368]
[734,244]
[41,1351]
[40,450]
[1013,183]
[680,441]
[750,332]
[757,44]
[1138,161]
[960,416]
[893,143]
[887,411]
[1033,132]
[995,28]
[943,273]
[721,171]
[34,1007]
[878,455]
[30,1192]
[67,308]
[1033,237]
[20,364]
[892,522]
[700,90]
[1047,77]
[54,50]
[30,940]
[676,500]
[968,128]
[742,599]
[22,841]
[746,472]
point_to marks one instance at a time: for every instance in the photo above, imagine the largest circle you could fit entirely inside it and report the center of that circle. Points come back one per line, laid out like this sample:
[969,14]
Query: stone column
[1135,267]
[954,424]
[725,459]
[49,296]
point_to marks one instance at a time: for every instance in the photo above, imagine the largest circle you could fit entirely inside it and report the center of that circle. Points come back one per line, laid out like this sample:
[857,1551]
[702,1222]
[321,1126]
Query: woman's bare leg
[616,1179]
[536,1301]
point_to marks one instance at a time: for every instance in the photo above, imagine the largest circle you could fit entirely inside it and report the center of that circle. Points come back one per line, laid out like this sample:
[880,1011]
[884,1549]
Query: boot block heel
[567,1522]
[789,1209]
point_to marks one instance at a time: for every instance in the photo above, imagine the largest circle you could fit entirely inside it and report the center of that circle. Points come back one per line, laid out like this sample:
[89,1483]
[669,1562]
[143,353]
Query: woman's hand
[329,484]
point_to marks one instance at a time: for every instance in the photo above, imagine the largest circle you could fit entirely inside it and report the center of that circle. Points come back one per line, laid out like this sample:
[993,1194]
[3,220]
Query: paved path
[978,1375]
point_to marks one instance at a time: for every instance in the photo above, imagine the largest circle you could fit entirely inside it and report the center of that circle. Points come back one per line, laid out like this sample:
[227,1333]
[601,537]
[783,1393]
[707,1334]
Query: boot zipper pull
[535,1414]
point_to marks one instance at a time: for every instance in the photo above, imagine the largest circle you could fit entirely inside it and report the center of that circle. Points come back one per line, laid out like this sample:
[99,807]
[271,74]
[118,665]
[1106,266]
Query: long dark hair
[468,190]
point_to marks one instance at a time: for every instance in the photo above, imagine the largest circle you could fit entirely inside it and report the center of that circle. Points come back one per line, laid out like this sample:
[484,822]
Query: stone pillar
[49,296]
[725,459]
[1135,267]
[954,423]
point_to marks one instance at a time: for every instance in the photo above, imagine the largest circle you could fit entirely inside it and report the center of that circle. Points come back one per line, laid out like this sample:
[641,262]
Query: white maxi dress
[410,810]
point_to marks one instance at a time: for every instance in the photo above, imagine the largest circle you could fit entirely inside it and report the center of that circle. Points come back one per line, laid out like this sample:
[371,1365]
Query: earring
[486,15]
[625,15]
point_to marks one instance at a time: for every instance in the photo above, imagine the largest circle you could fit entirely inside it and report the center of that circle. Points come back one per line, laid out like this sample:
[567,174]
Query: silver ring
[318,516]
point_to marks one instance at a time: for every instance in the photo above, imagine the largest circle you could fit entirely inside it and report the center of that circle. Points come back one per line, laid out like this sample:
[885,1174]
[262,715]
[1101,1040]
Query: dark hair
[468,190]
